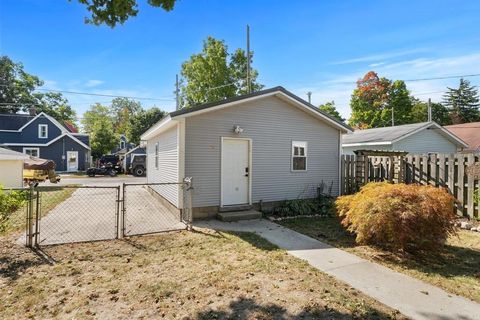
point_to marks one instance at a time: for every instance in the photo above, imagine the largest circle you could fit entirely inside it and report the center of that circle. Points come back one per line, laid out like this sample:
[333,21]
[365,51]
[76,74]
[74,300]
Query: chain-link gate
[67,214]
[148,207]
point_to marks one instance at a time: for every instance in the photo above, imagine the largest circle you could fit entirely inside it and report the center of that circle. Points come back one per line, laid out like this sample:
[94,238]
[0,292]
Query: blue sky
[318,46]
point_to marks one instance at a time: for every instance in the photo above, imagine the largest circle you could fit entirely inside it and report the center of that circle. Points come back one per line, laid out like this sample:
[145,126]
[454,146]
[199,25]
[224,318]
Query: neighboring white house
[11,168]
[263,147]
[416,138]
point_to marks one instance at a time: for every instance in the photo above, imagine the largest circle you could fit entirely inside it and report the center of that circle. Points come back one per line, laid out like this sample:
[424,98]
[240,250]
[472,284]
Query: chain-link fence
[147,207]
[66,214]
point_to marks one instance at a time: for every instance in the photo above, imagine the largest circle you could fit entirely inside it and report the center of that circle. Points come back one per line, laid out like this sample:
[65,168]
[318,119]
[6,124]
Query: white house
[416,138]
[11,168]
[262,147]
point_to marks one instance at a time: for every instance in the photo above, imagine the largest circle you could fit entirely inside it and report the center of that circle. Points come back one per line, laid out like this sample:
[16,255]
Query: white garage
[11,168]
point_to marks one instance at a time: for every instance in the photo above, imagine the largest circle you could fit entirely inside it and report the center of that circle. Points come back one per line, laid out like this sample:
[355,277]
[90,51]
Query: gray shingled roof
[9,121]
[379,135]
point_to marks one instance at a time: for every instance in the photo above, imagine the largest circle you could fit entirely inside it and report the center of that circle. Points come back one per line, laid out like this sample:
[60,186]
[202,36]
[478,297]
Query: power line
[98,94]
[444,77]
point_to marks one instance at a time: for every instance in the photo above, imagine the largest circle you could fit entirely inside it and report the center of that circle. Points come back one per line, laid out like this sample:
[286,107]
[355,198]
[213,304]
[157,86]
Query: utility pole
[309,95]
[429,110]
[393,118]
[249,87]
[177,101]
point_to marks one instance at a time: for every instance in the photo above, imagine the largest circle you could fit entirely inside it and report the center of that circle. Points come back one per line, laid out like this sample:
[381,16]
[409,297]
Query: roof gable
[279,92]
[389,135]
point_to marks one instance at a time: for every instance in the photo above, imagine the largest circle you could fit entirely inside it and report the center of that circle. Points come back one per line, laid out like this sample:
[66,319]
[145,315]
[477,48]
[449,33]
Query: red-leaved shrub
[398,216]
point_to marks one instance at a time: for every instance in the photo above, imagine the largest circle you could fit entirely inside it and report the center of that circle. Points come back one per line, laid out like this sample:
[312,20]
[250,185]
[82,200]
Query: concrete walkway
[412,297]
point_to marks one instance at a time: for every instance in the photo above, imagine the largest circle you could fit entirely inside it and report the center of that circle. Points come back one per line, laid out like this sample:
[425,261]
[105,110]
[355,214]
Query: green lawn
[456,268]
[50,198]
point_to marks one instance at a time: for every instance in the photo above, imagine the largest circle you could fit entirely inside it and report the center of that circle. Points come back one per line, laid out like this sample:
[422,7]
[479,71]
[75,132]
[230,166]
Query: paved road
[97,180]
[396,290]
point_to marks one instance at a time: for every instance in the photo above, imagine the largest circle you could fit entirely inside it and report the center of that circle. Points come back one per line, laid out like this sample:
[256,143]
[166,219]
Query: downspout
[64,155]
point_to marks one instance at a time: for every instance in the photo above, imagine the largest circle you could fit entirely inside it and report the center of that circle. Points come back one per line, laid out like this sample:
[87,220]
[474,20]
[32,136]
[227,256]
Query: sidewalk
[412,297]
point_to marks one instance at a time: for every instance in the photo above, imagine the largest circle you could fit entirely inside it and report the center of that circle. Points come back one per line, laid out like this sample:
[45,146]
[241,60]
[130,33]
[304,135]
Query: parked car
[112,159]
[138,165]
[103,170]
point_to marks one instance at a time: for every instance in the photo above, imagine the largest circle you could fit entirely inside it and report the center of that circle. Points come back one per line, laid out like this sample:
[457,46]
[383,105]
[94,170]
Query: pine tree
[463,102]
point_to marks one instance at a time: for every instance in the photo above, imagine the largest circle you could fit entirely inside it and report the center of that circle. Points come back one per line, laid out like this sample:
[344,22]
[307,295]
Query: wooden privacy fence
[460,173]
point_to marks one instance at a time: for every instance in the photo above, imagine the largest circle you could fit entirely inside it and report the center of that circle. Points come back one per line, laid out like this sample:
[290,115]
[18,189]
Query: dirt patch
[181,275]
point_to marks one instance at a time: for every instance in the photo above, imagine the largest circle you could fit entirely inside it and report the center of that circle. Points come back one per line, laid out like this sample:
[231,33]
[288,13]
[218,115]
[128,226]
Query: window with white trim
[43,131]
[34,152]
[122,144]
[156,155]
[299,156]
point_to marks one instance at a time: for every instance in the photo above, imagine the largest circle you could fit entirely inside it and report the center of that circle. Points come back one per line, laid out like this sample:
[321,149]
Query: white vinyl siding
[426,141]
[272,124]
[162,153]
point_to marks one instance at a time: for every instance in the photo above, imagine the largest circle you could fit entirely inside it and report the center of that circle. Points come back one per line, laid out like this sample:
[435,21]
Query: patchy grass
[456,268]
[50,198]
[182,275]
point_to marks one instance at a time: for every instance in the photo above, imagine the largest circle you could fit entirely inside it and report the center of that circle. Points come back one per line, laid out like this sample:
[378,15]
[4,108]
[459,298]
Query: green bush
[476,196]
[322,205]
[10,201]
[398,216]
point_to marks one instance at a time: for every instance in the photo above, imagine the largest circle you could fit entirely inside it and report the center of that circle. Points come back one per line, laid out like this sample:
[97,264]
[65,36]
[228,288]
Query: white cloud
[340,87]
[381,56]
[93,83]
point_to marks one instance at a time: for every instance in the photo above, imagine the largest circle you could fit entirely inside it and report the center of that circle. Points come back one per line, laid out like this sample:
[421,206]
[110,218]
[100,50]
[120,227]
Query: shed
[416,138]
[258,148]
[11,168]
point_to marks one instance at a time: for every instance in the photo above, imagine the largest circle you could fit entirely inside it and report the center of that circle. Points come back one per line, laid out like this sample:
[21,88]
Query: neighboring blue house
[43,136]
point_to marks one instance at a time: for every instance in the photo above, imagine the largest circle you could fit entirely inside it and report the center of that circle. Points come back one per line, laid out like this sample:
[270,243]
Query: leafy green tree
[112,12]
[102,137]
[373,100]
[96,113]
[214,74]
[55,105]
[330,109]
[123,109]
[463,102]
[16,87]
[440,113]
[142,121]
[17,93]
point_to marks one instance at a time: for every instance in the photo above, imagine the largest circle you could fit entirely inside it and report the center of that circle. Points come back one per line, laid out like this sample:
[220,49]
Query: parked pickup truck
[138,165]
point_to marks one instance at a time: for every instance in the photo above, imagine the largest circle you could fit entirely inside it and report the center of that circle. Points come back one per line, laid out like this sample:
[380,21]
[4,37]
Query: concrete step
[242,207]
[239,215]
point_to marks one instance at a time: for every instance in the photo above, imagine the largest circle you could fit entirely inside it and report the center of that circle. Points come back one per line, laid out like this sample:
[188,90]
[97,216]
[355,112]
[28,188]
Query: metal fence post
[37,218]
[188,208]
[29,228]
[117,215]
[122,223]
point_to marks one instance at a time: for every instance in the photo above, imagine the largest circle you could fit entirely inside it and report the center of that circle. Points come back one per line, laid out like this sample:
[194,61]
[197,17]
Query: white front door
[72,161]
[235,171]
